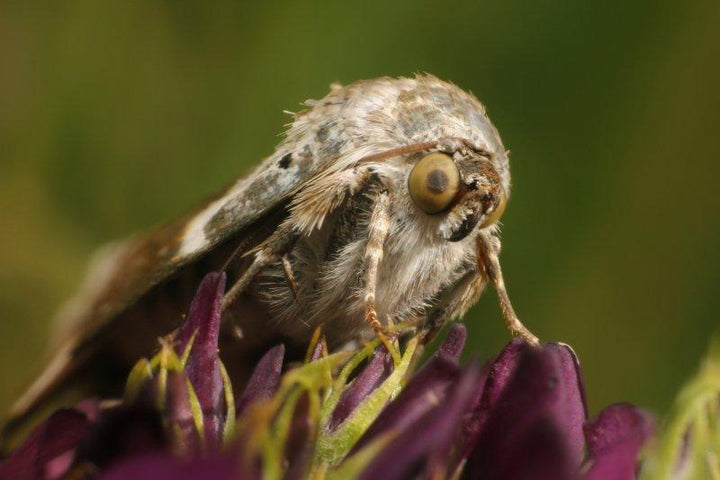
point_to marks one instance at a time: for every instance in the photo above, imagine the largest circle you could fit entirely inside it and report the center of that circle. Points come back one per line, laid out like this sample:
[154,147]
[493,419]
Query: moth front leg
[374,250]
[488,259]
[454,302]
[377,233]
[308,211]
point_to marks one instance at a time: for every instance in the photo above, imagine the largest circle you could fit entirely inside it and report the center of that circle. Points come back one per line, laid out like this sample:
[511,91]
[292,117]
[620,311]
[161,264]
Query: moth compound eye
[434,182]
[495,215]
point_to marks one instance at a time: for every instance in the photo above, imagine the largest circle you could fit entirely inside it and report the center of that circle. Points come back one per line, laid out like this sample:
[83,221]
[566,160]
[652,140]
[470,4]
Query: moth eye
[497,213]
[434,182]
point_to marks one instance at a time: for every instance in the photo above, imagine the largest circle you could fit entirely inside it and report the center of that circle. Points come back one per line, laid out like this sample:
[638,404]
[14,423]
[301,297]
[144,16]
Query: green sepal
[229,427]
[138,377]
[352,467]
[333,446]
[340,383]
[693,430]
[186,353]
[196,410]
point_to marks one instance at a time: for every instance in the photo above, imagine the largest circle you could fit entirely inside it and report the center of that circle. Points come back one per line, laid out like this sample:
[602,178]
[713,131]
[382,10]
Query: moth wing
[122,273]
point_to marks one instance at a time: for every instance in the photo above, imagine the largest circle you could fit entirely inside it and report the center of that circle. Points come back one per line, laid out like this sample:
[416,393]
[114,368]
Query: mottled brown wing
[123,274]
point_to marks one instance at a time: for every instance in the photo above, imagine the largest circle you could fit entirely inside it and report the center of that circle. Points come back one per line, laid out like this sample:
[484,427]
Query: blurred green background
[117,115]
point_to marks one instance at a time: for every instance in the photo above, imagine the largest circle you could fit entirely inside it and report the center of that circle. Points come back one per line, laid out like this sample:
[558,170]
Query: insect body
[380,205]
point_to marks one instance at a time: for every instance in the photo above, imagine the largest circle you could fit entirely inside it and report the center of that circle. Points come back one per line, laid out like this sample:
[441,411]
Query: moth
[380,206]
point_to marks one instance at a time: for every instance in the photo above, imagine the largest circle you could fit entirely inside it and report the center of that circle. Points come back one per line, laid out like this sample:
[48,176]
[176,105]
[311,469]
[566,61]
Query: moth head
[429,140]
[458,191]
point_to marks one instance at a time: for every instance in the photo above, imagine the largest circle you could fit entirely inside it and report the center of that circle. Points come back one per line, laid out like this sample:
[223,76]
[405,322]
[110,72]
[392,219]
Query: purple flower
[50,449]
[200,333]
[264,380]
[164,466]
[378,369]
[356,415]
[122,431]
[530,416]
[531,422]
[184,384]
[614,439]
[423,392]
[523,415]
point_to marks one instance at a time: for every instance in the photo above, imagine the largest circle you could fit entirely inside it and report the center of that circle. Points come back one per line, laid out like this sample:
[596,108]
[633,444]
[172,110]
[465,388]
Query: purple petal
[44,454]
[496,375]
[166,467]
[454,342]
[536,410]
[203,366]
[122,432]
[614,439]
[90,407]
[179,414]
[471,421]
[616,464]
[423,392]
[501,370]
[616,424]
[538,454]
[424,445]
[205,306]
[264,379]
[320,350]
[59,466]
[571,411]
[300,442]
[376,371]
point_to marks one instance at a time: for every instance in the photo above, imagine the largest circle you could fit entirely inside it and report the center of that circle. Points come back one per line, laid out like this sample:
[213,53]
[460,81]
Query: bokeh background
[117,115]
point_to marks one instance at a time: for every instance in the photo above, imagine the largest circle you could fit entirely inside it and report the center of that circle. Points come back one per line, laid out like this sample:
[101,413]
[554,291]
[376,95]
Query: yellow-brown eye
[497,213]
[434,182]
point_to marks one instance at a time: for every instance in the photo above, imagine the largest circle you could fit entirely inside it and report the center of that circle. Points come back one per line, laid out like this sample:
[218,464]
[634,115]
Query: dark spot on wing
[437,181]
[285,161]
[329,136]
[323,132]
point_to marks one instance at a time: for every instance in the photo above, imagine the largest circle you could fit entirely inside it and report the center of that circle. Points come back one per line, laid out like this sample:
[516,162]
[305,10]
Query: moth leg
[289,276]
[270,251]
[377,232]
[488,258]
[455,301]
[374,250]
